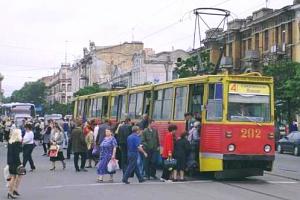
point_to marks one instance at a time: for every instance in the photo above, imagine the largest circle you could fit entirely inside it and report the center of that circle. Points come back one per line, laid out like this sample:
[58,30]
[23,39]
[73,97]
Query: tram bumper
[227,162]
[262,162]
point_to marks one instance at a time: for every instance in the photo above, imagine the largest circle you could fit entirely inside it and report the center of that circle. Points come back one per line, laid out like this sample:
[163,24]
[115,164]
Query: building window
[276,35]
[63,86]
[257,41]
[63,76]
[244,48]
[230,50]
[283,34]
[290,33]
[69,88]
[250,44]
[266,40]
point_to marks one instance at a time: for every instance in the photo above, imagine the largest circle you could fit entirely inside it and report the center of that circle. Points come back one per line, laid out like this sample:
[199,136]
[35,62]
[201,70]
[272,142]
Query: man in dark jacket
[79,146]
[144,123]
[123,133]
[150,142]
[101,131]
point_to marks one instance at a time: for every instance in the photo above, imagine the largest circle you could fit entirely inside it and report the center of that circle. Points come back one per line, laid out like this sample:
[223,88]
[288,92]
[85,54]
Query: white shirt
[28,138]
[96,132]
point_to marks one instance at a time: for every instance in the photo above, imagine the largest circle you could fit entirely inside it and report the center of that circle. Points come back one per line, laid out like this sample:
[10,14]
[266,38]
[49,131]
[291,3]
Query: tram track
[282,176]
[254,191]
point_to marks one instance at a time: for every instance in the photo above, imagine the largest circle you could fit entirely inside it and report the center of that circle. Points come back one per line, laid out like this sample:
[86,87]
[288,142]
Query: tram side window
[158,98]
[91,108]
[99,107]
[195,99]
[122,106]
[215,102]
[94,109]
[147,101]
[114,107]
[167,104]
[180,103]
[104,107]
[132,104]
[139,105]
[79,108]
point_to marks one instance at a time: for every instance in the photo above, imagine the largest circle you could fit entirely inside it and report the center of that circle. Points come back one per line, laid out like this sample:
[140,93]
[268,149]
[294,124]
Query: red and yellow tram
[236,111]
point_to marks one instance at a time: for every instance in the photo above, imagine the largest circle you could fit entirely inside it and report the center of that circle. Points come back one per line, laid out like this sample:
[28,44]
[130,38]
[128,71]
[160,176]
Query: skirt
[13,169]
[59,157]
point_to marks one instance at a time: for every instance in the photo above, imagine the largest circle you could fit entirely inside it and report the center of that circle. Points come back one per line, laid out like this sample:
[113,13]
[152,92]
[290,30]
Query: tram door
[196,92]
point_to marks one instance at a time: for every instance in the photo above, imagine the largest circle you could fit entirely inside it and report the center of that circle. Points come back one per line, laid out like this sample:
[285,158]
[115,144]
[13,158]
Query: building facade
[149,67]
[102,64]
[60,86]
[265,37]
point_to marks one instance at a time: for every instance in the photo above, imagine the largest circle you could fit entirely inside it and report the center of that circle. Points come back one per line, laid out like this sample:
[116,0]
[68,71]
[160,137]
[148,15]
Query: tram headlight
[231,147]
[267,148]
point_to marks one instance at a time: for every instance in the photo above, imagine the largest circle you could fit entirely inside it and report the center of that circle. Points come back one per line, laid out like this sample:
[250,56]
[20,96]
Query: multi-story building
[60,86]
[100,63]
[266,36]
[1,90]
[149,67]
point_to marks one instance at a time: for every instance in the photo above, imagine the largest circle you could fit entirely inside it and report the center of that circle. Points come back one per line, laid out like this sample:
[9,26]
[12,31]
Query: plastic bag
[6,175]
[113,166]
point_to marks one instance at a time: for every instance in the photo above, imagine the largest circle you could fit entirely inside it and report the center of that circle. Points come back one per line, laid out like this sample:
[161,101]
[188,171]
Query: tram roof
[253,76]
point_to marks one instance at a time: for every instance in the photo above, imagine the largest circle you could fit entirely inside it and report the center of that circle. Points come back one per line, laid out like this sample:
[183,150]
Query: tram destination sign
[254,89]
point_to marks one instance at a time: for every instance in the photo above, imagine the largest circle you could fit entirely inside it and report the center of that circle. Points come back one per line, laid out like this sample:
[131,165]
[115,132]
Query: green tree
[31,92]
[192,67]
[89,90]
[286,76]
[58,108]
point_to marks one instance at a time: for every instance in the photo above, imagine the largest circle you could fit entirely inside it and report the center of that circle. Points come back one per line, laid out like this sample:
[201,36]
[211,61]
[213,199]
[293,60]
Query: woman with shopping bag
[108,149]
[55,152]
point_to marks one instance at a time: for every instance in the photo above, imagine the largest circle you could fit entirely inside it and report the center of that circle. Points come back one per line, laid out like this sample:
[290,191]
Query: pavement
[283,183]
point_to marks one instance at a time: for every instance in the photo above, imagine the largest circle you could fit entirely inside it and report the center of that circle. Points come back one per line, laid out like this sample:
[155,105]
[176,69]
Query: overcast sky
[34,32]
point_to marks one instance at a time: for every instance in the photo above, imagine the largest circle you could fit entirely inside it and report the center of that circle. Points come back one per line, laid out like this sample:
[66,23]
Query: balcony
[226,62]
[251,56]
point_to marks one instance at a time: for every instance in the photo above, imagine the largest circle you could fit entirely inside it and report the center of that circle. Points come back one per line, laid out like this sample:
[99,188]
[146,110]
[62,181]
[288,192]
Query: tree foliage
[89,90]
[192,67]
[58,108]
[31,92]
[286,76]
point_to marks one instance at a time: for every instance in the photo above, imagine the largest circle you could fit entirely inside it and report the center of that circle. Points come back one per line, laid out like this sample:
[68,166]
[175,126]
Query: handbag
[21,170]
[96,150]
[170,163]
[53,151]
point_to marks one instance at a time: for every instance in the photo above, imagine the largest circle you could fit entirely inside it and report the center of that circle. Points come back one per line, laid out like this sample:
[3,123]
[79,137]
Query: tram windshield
[249,103]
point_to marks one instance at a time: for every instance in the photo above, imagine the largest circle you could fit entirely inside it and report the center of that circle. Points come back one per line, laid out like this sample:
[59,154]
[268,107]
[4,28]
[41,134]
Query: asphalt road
[283,183]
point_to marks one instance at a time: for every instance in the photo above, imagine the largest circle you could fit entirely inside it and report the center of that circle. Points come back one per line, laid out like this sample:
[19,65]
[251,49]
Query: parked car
[290,143]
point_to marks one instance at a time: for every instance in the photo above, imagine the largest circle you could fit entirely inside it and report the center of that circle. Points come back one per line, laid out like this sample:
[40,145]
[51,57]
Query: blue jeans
[140,163]
[132,167]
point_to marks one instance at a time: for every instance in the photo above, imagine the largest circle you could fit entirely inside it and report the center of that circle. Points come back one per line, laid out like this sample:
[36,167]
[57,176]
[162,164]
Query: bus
[236,112]
[13,110]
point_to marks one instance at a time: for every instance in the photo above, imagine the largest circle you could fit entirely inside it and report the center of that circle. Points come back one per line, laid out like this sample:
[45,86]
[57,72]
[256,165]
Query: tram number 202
[250,133]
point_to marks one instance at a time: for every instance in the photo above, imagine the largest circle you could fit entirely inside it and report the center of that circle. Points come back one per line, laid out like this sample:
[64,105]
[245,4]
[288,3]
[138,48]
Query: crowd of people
[102,144]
